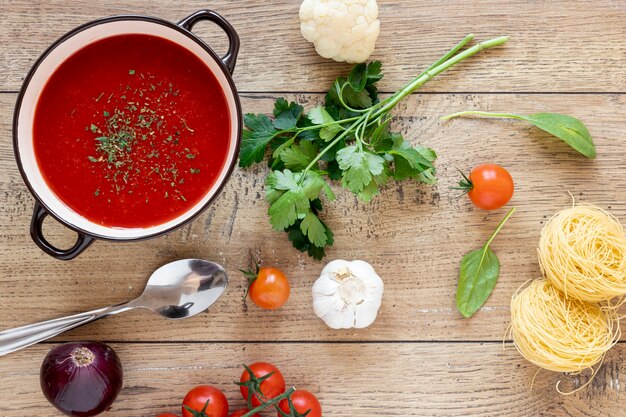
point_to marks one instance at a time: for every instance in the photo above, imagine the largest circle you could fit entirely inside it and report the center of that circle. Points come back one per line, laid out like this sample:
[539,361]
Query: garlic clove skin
[347,294]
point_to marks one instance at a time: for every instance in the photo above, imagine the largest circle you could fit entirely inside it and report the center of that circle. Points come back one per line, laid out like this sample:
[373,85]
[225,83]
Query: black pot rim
[105,20]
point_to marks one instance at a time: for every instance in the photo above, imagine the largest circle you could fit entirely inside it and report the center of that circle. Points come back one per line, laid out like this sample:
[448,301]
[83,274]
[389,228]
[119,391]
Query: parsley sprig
[346,139]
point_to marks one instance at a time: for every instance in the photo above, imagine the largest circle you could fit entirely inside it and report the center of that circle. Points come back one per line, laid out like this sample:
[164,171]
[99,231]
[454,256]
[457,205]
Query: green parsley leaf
[131,72]
[357,99]
[358,77]
[289,195]
[313,228]
[298,156]
[374,73]
[287,208]
[286,114]
[358,167]
[320,116]
[300,240]
[256,138]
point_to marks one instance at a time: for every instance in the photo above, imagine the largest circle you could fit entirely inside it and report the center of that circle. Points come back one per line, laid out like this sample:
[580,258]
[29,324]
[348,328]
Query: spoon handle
[21,337]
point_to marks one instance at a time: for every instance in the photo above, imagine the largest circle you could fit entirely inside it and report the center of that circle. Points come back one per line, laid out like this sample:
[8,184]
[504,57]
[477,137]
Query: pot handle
[230,59]
[36,232]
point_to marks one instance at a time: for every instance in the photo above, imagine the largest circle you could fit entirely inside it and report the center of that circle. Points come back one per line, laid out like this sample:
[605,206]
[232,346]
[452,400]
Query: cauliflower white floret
[344,30]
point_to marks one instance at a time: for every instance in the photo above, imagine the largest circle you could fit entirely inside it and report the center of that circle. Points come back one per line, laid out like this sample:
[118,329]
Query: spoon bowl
[183,288]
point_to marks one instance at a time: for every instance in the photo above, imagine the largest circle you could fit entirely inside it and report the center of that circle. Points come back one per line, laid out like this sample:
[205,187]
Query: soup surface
[131,131]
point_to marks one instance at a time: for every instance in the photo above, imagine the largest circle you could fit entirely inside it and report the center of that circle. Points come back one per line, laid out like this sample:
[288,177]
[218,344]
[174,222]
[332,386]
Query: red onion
[81,379]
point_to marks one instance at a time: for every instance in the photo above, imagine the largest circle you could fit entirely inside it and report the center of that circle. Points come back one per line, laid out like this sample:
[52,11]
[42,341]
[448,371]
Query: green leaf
[255,139]
[567,128]
[282,180]
[370,191]
[298,157]
[320,116]
[287,208]
[286,114]
[414,158]
[300,240]
[282,146]
[412,162]
[312,185]
[334,172]
[478,275]
[374,73]
[358,77]
[357,99]
[314,229]
[381,140]
[358,167]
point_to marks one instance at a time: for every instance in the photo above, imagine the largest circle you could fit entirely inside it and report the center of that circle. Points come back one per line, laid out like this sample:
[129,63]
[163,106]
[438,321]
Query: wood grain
[564,56]
[413,235]
[364,380]
[561,45]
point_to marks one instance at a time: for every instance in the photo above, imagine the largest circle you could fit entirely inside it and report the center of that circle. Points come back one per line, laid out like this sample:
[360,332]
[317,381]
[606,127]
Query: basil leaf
[478,275]
[567,128]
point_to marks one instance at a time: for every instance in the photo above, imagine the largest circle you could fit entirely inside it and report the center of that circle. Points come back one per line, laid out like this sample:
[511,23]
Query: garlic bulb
[347,294]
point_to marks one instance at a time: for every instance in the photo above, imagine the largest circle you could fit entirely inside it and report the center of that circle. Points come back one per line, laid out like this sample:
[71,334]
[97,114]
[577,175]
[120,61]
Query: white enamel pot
[46,202]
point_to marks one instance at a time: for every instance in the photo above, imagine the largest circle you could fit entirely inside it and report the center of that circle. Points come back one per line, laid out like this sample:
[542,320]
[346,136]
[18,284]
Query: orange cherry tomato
[490,186]
[270,289]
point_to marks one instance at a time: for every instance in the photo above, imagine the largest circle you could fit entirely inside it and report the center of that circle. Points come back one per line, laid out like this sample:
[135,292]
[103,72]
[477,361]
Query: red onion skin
[81,391]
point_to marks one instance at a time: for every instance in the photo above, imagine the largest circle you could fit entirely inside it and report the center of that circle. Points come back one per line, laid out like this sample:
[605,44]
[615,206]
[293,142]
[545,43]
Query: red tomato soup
[131,131]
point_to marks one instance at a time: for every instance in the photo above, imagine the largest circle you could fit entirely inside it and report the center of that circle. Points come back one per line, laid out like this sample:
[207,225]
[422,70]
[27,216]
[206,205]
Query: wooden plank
[545,53]
[414,235]
[458,379]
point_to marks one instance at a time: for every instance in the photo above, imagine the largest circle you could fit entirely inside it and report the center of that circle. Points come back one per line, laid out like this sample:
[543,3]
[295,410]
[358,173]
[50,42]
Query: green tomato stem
[500,225]
[273,401]
[482,114]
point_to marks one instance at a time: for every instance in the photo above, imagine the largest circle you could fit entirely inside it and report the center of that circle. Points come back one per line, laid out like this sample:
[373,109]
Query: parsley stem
[440,61]
[317,127]
[427,75]
[331,144]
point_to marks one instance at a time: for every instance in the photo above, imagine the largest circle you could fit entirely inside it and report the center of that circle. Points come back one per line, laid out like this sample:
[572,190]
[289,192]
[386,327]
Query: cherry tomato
[197,398]
[489,187]
[271,387]
[270,289]
[241,412]
[167,415]
[302,401]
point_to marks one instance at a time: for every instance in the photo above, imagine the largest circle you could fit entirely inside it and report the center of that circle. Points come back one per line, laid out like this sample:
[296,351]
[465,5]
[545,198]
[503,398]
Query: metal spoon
[176,290]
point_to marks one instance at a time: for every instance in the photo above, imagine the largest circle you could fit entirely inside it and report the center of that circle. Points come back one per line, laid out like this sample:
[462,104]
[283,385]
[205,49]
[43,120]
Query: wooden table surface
[420,358]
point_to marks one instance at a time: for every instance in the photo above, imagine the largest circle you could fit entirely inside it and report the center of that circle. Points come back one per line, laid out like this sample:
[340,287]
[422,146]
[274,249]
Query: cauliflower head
[344,30]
